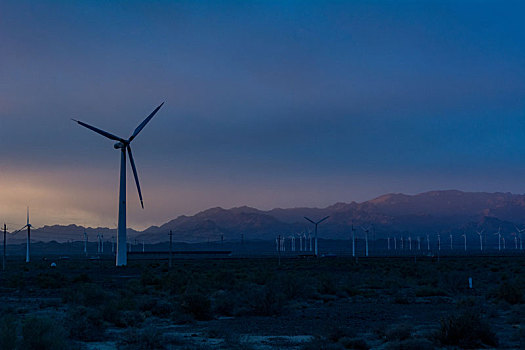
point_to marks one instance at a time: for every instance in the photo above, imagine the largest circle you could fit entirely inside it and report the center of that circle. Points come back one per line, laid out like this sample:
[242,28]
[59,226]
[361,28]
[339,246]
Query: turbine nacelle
[119,145]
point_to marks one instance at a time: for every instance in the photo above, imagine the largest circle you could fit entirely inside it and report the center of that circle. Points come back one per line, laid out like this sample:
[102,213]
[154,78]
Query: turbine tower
[353,241]
[316,223]
[123,145]
[28,225]
[85,242]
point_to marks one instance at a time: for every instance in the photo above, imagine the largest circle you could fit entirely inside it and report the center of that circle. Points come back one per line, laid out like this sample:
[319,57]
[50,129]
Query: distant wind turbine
[85,242]
[499,237]
[28,244]
[465,239]
[521,240]
[123,145]
[480,239]
[366,229]
[353,241]
[316,223]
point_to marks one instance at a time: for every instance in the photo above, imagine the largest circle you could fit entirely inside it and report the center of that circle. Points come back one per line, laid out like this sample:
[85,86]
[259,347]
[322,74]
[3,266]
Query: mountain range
[448,211]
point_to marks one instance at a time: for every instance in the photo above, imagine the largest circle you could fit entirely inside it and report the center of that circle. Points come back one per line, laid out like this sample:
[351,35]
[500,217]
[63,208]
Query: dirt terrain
[325,303]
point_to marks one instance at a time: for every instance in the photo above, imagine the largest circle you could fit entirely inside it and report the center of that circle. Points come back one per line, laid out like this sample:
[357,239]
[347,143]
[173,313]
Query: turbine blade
[323,219]
[143,124]
[309,220]
[98,131]
[135,175]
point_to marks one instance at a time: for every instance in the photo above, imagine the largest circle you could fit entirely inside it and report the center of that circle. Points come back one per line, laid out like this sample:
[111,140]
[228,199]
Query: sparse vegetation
[467,330]
[382,302]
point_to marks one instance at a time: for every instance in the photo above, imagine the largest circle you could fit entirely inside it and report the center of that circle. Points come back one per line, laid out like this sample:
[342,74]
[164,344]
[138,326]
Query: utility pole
[171,244]
[3,261]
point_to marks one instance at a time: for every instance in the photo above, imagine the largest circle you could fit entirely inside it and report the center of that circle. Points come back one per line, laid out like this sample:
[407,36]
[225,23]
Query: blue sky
[268,104]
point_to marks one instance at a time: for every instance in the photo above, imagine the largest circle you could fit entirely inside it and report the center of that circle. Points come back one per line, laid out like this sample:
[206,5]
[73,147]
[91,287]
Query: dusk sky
[268,104]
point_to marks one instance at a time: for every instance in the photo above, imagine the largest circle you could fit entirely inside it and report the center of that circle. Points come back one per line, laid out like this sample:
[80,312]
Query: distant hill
[430,212]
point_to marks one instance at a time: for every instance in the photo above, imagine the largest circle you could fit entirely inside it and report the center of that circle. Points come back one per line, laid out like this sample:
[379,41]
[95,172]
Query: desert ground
[255,303]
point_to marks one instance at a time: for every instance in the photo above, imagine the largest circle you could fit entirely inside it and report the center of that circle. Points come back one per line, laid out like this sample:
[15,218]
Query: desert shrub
[43,334]
[266,300]
[337,333]
[410,344]
[327,285]
[354,343]
[129,318]
[512,293]
[85,324]
[8,328]
[467,330]
[176,281]
[157,307]
[197,304]
[89,294]
[81,278]
[17,281]
[224,303]
[429,292]
[150,278]
[398,332]
[402,299]
[321,344]
[50,280]
[149,338]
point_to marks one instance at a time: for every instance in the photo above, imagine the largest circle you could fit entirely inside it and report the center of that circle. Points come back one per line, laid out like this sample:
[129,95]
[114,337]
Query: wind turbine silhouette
[316,223]
[123,145]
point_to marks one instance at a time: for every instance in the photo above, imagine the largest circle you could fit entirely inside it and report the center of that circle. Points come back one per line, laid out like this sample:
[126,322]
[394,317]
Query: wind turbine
[499,237]
[519,232]
[366,239]
[316,223]
[465,238]
[123,145]
[480,239]
[451,241]
[428,242]
[28,226]
[353,241]
[85,242]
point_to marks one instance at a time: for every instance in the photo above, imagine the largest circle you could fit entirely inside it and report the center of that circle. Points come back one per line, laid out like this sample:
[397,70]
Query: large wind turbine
[123,145]
[316,223]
